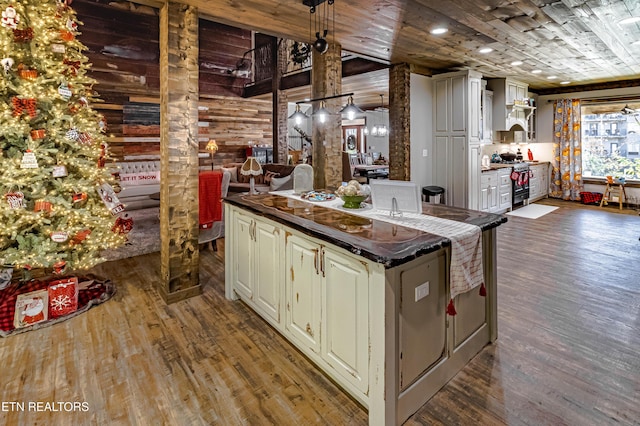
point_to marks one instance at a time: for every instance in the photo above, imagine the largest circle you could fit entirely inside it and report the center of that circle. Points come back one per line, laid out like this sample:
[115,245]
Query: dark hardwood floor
[568,348]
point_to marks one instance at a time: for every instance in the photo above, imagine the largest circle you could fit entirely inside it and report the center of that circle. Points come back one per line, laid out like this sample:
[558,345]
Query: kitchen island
[364,299]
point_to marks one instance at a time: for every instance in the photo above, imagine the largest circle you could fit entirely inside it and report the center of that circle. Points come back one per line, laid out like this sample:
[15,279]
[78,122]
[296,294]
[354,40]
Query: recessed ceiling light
[552,77]
[536,71]
[565,82]
[630,20]
[486,50]
[439,30]
[516,63]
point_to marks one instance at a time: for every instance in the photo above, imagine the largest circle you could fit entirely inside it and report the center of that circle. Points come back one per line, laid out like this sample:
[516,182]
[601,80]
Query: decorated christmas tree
[57,206]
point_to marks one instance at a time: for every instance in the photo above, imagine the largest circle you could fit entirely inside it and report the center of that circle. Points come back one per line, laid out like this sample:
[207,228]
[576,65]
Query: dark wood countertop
[376,240]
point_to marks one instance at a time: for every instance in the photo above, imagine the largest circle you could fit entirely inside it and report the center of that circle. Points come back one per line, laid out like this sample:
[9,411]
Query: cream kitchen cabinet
[302,288]
[539,181]
[505,189]
[365,309]
[489,191]
[457,135]
[257,274]
[345,316]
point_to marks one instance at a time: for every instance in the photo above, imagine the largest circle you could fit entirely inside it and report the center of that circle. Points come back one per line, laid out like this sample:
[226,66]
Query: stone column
[326,80]
[280,107]
[179,151]
[399,122]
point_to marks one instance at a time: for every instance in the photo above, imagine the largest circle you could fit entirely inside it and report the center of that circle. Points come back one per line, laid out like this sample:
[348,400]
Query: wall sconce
[212,147]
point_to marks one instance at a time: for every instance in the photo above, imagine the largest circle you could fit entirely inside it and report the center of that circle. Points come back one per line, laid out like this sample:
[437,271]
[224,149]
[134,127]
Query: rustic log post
[279,103]
[179,151]
[399,122]
[326,77]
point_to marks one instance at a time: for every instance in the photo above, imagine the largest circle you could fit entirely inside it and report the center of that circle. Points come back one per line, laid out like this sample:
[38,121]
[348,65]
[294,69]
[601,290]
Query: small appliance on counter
[485,162]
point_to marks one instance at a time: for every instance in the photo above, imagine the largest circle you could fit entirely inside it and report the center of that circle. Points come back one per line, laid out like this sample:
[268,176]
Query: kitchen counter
[376,240]
[364,299]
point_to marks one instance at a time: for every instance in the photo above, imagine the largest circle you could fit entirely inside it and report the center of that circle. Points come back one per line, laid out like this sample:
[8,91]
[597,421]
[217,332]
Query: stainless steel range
[520,180]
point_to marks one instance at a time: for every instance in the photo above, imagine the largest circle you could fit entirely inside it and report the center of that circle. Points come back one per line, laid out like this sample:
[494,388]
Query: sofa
[138,180]
[275,177]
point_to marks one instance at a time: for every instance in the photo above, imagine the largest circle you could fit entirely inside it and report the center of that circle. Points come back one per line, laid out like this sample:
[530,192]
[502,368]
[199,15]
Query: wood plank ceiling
[577,41]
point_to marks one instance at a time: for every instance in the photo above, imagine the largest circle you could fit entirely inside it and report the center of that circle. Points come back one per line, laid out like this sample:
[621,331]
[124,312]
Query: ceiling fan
[628,111]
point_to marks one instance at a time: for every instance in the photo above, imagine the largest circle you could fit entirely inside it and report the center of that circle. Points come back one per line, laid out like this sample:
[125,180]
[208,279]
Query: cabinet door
[534,182]
[302,287]
[487,117]
[267,269]
[242,276]
[544,180]
[475,113]
[345,316]
[504,190]
[484,192]
[493,198]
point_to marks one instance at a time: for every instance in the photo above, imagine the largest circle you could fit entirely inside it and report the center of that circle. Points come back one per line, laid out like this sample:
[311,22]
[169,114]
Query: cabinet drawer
[505,199]
[505,180]
[488,179]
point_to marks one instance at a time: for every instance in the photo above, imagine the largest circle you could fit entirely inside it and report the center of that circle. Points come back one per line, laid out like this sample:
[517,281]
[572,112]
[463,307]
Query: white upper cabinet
[511,109]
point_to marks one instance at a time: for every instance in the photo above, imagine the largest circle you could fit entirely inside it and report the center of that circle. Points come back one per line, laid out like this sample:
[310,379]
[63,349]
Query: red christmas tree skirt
[40,303]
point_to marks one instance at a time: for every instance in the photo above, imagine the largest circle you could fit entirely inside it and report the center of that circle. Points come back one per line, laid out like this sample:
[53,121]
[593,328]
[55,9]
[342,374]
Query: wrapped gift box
[63,297]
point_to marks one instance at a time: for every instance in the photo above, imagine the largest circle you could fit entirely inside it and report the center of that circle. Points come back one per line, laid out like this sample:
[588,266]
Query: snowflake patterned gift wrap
[63,297]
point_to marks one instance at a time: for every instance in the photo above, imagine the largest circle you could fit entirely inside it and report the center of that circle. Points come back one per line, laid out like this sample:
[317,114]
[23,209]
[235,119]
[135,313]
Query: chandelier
[379,130]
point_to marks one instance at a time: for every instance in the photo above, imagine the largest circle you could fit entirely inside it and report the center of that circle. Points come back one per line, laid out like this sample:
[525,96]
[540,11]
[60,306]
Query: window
[611,139]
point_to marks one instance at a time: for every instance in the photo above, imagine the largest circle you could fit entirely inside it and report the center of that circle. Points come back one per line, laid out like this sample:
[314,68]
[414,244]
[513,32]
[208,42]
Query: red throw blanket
[210,193]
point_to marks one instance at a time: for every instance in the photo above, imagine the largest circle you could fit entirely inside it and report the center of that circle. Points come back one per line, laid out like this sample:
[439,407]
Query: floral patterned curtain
[566,175]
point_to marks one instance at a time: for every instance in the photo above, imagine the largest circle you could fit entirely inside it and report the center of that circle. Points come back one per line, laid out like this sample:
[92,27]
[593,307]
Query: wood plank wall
[122,41]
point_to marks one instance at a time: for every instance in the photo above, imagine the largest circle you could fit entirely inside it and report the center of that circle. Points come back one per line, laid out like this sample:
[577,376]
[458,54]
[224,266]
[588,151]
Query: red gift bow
[23,36]
[19,105]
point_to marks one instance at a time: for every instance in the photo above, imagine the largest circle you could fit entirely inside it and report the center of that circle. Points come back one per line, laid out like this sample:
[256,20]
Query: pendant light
[381,129]
[351,109]
[298,115]
[322,113]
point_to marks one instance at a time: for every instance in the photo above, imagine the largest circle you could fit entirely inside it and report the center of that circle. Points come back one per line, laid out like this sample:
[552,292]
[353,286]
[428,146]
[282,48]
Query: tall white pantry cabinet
[457,136]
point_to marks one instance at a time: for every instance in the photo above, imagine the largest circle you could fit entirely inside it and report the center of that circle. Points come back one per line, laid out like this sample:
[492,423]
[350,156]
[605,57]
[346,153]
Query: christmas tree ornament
[38,134]
[123,226]
[71,25]
[102,124]
[63,297]
[116,187]
[15,200]
[42,206]
[21,105]
[64,91]
[59,171]
[59,267]
[7,63]
[23,36]
[85,138]
[29,160]
[108,196]
[66,35]
[72,66]
[10,18]
[58,48]
[80,236]
[79,197]
[59,236]
[26,73]
[72,134]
